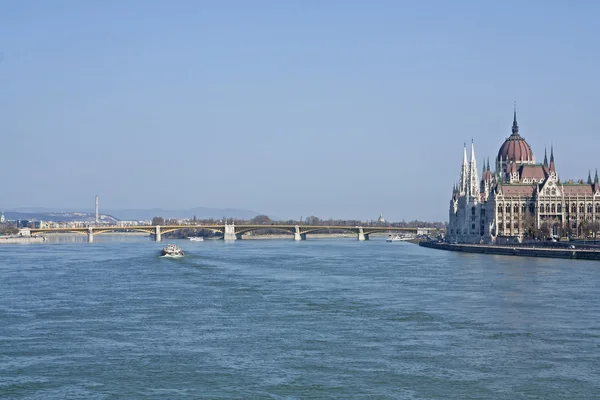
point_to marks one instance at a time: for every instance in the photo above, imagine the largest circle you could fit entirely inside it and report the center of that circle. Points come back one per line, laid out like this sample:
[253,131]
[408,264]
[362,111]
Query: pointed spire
[596,177]
[465,155]
[472,151]
[515,127]
[552,169]
[589,181]
[545,157]
[488,164]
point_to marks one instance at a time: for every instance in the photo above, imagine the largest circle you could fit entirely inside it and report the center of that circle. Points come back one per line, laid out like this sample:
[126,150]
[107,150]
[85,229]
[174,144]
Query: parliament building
[520,198]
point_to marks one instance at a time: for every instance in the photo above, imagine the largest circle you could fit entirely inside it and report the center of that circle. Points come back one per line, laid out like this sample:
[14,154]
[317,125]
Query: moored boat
[196,239]
[172,250]
[398,238]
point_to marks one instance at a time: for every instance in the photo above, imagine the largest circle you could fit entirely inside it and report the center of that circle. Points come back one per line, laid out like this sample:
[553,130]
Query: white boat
[397,238]
[196,239]
[172,250]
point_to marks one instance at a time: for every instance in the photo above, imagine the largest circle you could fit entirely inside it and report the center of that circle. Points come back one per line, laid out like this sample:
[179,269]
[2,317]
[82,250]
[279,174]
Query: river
[316,319]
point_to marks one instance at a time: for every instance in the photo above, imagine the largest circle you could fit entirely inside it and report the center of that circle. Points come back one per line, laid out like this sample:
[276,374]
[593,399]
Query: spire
[589,181]
[596,177]
[464,173]
[545,157]
[488,164]
[515,127]
[552,169]
[473,176]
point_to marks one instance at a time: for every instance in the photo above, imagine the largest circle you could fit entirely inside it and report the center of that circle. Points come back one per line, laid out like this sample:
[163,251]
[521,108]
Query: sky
[338,108]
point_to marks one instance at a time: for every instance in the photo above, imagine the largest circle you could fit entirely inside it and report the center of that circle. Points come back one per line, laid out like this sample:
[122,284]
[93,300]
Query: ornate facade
[520,198]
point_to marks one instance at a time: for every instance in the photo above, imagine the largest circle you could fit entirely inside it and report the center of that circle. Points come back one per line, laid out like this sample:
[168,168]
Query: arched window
[573,207]
[516,208]
[581,208]
[524,208]
[547,208]
[598,208]
[553,208]
[559,208]
[508,208]
[590,208]
[500,208]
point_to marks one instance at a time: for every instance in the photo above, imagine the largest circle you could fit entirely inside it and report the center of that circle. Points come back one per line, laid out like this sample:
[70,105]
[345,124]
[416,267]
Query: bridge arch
[241,229]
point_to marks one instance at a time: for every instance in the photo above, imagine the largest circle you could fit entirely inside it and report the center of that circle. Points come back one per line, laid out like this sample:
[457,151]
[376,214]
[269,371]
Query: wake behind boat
[172,250]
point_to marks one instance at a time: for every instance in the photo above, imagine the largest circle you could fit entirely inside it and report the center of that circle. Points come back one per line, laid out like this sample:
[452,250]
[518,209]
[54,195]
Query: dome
[515,148]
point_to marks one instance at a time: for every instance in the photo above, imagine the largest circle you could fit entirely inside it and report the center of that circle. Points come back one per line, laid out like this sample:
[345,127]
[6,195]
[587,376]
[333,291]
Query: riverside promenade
[523,250]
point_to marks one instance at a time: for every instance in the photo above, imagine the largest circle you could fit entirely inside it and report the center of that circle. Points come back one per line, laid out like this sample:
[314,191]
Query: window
[472,210]
[531,208]
[524,208]
[500,226]
[559,208]
[472,226]
[547,208]
[500,209]
[598,208]
[581,208]
[589,208]
[553,208]
[508,208]
[516,208]
[573,208]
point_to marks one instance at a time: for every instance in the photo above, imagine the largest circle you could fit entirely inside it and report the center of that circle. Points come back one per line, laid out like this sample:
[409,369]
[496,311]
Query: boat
[397,238]
[172,250]
[196,239]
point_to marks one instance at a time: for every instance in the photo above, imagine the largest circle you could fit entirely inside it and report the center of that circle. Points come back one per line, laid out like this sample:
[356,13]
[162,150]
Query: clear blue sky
[290,108]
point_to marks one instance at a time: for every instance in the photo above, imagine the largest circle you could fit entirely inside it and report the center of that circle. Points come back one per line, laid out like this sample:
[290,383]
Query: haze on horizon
[341,109]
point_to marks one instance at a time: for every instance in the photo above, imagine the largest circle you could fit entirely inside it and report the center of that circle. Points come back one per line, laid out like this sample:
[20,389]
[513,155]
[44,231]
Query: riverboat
[172,250]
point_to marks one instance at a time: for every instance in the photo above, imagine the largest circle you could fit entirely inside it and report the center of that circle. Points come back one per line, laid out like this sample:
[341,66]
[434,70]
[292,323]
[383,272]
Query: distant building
[2,219]
[519,196]
[381,220]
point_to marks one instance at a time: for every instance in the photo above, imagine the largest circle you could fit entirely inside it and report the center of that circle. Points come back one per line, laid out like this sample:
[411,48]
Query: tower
[97,220]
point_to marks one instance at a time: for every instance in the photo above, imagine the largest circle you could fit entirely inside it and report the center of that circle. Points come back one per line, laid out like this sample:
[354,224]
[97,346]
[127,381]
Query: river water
[278,319]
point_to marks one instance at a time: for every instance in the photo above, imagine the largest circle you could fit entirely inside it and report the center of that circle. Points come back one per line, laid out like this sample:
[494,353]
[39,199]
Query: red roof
[537,172]
[575,189]
[515,148]
[518,190]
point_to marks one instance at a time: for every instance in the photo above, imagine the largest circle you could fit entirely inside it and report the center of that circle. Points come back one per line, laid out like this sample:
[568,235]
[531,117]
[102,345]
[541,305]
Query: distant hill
[58,216]
[199,212]
[47,214]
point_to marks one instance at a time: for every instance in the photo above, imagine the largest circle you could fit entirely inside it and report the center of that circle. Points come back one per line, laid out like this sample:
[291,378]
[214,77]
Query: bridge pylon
[90,234]
[229,232]
[157,235]
[297,235]
[361,234]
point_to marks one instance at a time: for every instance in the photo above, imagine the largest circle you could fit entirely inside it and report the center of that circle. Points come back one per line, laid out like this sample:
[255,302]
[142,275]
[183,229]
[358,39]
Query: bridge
[229,231]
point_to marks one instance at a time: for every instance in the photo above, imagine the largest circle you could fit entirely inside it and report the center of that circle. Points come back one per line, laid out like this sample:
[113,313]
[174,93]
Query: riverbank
[21,239]
[308,236]
[522,251]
